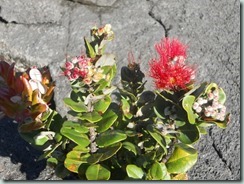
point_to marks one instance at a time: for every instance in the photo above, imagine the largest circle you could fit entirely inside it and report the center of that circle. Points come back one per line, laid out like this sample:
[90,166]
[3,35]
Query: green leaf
[106,60]
[75,106]
[181,176]
[46,114]
[76,135]
[110,137]
[89,49]
[76,126]
[157,137]
[221,124]
[101,85]
[168,96]
[182,159]
[104,153]
[146,97]
[158,171]
[126,108]
[202,130]
[75,158]
[187,104]
[108,91]
[197,91]
[179,123]
[134,172]
[210,86]
[41,138]
[102,105]
[48,153]
[157,113]
[126,93]
[52,161]
[97,172]
[108,120]
[110,71]
[130,147]
[91,116]
[222,96]
[61,171]
[189,133]
[54,115]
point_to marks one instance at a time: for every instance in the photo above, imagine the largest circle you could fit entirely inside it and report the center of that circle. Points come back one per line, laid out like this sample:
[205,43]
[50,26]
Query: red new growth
[169,71]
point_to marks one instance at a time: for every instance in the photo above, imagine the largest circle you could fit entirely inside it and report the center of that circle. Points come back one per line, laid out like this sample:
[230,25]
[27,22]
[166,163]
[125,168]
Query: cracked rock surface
[34,32]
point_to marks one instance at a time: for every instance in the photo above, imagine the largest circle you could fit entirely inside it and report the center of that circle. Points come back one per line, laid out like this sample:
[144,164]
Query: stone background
[43,32]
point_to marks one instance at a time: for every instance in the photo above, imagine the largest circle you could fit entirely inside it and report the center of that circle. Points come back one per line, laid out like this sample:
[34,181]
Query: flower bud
[195,105]
[207,113]
[69,65]
[210,96]
[199,109]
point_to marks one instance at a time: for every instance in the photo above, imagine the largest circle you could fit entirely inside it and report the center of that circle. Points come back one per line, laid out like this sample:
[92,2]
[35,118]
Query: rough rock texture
[44,32]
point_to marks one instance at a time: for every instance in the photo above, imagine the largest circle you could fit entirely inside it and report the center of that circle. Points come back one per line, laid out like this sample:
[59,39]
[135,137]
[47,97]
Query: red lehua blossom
[170,71]
[168,49]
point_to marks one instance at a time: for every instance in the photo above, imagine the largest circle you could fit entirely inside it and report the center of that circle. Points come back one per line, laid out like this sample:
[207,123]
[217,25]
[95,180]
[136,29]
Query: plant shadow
[19,151]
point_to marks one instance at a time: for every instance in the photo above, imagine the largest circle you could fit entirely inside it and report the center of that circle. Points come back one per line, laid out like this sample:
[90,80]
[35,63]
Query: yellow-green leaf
[187,104]
[158,171]
[182,159]
[97,172]
[108,120]
[75,106]
[134,171]
[110,137]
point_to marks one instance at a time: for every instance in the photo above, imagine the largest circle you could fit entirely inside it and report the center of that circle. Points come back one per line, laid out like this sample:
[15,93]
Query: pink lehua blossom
[202,101]
[223,110]
[213,114]
[83,73]
[74,76]
[207,113]
[222,118]
[195,105]
[199,109]
[67,73]
[209,109]
[210,96]
[69,65]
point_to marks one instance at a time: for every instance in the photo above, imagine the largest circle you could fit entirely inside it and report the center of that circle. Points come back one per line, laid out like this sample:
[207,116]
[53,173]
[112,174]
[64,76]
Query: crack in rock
[158,19]
[219,152]
[4,21]
[95,4]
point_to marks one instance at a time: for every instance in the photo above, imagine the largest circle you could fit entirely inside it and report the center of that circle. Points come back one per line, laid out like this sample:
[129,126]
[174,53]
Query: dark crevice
[3,20]
[157,19]
[88,3]
[219,152]
[221,156]
[28,24]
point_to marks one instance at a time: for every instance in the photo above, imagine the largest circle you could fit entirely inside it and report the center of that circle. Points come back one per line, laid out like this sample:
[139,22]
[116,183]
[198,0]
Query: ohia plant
[116,132]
